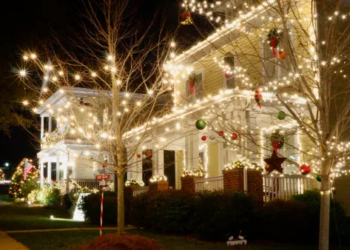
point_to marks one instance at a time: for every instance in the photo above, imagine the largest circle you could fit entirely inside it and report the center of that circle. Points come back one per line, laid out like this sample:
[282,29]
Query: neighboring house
[212,92]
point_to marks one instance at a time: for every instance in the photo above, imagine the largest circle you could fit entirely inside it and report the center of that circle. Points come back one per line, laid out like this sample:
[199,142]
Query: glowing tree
[122,65]
[2,175]
[288,61]
[18,180]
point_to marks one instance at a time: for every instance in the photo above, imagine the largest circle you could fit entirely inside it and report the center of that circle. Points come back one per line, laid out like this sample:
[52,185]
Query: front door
[169,167]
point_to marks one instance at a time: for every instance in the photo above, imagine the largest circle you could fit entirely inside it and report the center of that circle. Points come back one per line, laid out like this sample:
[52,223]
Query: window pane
[230,82]
[198,86]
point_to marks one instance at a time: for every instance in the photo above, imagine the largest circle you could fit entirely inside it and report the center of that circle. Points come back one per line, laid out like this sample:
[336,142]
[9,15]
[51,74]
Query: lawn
[70,240]
[16,217]
[6,197]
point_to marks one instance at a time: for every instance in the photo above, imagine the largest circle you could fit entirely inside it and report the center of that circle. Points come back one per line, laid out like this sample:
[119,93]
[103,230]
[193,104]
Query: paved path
[4,203]
[61,229]
[6,242]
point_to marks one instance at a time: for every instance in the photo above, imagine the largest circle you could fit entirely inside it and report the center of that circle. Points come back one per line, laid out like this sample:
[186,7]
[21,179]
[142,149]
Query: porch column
[49,172]
[50,123]
[158,162]
[138,167]
[41,173]
[58,168]
[42,124]
[192,151]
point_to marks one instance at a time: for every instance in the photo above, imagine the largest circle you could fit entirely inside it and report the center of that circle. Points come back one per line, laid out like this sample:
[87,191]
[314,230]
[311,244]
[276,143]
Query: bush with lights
[2,175]
[242,164]
[20,188]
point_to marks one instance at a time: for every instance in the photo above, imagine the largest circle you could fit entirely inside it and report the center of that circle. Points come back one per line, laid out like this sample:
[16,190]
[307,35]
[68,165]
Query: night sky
[30,24]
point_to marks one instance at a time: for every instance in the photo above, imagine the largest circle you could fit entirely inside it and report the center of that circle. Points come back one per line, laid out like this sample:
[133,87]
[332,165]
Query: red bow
[272,44]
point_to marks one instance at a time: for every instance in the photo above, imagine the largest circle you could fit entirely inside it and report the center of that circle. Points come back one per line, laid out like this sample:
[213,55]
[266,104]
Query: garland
[134,182]
[240,164]
[194,172]
[158,178]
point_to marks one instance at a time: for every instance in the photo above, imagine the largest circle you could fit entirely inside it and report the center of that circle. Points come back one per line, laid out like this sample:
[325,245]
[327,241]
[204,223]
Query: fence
[212,183]
[89,183]
[283,187]
[139,190]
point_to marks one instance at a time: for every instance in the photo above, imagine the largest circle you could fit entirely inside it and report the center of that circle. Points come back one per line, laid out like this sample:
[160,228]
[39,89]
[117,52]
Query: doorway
[169,167]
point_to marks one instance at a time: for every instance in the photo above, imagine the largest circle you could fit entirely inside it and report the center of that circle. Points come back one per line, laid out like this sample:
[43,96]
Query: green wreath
[277,136]
[273,34]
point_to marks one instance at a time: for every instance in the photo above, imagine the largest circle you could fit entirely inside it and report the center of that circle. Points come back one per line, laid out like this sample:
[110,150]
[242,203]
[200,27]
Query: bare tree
[291,57]
[120,59]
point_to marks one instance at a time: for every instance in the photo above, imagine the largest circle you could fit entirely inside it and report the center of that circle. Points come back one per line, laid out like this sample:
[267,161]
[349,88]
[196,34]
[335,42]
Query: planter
[158,186]
[188,185]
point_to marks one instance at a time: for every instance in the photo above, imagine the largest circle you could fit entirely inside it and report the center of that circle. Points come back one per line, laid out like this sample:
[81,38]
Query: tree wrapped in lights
[2,175]
[17,179]
[122,67]
[307,82]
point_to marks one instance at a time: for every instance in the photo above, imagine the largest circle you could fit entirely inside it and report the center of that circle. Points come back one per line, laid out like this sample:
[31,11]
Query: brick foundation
[158,186]
[234,181]
[129,190]
[187,184]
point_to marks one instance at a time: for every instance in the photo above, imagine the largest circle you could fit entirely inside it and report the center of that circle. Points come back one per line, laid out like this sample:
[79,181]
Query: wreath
[277,137]
[229,60]
[274,37]
[191,81]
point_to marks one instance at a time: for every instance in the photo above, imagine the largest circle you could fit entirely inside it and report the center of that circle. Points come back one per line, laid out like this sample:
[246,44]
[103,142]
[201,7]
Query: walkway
[6,242]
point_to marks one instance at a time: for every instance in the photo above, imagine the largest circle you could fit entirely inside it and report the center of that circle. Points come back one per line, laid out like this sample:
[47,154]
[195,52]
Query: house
[215,81]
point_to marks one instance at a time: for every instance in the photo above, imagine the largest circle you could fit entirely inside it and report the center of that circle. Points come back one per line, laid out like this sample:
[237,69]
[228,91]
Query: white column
[138,167]
[41,173]
[42,124]
[58,168]
[192,151]
[157,162]
[50,123]
[49,172]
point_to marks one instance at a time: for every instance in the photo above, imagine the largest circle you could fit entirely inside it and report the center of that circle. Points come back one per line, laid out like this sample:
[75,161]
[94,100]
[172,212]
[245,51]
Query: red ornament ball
[204,138]
[138,156]
[221,133]
[305,169]
[234,136]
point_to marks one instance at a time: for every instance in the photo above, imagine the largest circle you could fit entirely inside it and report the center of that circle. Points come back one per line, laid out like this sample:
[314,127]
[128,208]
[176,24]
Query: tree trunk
[121,217]
[324,214]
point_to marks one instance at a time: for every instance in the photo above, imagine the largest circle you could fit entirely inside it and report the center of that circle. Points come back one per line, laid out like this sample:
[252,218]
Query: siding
[213,159]
[179,154]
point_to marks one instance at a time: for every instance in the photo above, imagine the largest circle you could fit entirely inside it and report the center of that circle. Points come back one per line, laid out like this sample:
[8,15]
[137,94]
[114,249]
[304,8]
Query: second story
[262,48]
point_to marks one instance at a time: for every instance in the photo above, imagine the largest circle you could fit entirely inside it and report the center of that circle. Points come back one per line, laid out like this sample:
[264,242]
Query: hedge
[217,215]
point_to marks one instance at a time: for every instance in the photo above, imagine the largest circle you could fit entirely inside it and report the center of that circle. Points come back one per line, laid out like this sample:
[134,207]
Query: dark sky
[30,24]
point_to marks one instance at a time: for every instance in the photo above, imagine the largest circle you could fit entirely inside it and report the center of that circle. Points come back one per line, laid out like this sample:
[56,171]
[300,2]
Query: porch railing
[283,187]
[139,190]
[212,183]
[89,183]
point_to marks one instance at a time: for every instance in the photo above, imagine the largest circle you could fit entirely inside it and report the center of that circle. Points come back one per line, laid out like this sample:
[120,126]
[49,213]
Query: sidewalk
[6,242]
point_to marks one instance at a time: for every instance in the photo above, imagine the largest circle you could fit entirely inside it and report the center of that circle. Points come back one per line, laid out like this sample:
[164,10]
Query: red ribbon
[185,15]
[275,145]
[191,87]
[272,44]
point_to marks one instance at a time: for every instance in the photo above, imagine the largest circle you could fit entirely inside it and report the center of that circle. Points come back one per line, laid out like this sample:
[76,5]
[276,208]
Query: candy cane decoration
[101,214]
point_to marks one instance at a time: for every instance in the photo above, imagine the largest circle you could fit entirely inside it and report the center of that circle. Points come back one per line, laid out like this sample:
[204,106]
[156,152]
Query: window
[198,88]
[274,67]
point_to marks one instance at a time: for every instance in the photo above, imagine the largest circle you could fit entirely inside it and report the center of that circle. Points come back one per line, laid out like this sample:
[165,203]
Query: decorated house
[225,116]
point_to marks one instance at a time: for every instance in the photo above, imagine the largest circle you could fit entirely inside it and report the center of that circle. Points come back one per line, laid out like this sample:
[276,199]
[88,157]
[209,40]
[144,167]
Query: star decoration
[274,163]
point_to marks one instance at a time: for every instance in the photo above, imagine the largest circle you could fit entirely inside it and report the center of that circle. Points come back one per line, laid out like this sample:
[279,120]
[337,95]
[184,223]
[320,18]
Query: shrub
[166,212]
[91,206]
[28,186]
[122,242]
[34,196]
[50,196]
[68,200]
[219,215]
[210,215]
[287,221]
[339,226]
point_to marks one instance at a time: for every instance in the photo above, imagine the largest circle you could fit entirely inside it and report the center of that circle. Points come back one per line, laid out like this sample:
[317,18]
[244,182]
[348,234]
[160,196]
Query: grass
[6,197]
[70,240]
[16,217]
